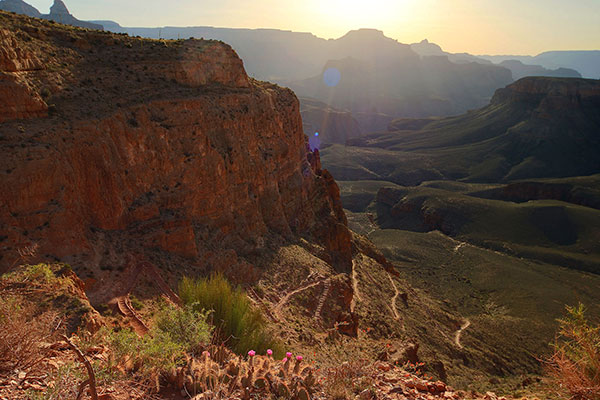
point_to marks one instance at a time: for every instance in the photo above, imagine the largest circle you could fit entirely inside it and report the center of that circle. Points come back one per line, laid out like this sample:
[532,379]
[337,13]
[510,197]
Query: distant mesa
[58,13]
[389,79]
[520,67]
[587,62]
[520,70]
[108,25]
[425,48]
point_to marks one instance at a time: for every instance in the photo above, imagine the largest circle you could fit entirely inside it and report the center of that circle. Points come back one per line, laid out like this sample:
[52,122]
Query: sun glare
[354,14]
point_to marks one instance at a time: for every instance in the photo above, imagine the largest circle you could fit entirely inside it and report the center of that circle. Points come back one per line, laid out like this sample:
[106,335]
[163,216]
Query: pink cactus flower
[288,354]
[206,353]
[299,358]
[251,353]
[269,352]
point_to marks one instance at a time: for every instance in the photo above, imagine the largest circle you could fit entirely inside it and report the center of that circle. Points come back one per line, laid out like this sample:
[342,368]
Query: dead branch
[92,377]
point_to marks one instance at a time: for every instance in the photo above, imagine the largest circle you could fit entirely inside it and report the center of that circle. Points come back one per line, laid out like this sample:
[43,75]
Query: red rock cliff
[112,143]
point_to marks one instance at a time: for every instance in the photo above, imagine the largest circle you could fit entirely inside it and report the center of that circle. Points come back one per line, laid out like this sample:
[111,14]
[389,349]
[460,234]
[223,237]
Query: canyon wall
[166,146]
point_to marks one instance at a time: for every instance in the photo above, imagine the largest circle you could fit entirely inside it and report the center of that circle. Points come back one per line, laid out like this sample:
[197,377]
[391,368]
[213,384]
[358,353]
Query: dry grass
[24,336]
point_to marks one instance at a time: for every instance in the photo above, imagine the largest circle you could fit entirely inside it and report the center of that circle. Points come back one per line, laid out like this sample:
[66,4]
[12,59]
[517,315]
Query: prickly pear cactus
[261,383]
[282,390]
[302,394]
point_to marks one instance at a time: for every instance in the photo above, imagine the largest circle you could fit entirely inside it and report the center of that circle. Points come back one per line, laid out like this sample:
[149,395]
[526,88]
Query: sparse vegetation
[187,327]
[23,332]
[345,381]
[175,334]
[575,364]
[237,323]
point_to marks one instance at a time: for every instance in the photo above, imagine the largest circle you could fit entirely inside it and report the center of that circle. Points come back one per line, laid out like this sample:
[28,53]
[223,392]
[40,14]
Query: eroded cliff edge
[112,143]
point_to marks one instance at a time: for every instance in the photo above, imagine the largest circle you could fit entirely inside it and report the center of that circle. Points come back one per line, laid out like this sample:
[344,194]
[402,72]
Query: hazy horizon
[483,27]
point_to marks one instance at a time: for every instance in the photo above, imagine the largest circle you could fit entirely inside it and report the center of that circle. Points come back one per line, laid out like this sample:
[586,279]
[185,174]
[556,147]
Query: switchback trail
[458,246]
[127,310]
[356,297]
[323,298]
[123,302]
[464,326]
[255,298]
[286,298]
[394,298]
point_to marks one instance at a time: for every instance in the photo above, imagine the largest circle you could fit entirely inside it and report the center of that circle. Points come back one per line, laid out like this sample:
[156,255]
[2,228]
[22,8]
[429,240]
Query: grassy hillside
[548,230]
[508,294]
[511,303]
[498,264]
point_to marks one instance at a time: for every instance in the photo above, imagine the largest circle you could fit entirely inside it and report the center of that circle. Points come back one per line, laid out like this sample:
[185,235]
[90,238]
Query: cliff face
[155,146]
[569,91]
[17,97]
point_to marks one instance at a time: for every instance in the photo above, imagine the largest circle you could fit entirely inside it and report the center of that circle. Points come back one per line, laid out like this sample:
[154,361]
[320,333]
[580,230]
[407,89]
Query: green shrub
[237,324]
[40,272]
[176,332]
[186,327]
[575,364]
[136,303]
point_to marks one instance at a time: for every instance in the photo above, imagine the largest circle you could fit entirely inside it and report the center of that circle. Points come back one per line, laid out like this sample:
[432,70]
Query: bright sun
[365,13]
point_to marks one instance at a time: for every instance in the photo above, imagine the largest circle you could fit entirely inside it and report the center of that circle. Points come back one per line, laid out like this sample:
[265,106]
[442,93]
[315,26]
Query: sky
[518,27]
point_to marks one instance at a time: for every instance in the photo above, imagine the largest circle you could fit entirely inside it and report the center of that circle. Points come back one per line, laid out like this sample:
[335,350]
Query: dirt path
[356,297]
[286,298]
[464,326]
[123,302]
[133,318]
[322,299]
[458,246]
[255,298]
[152,271]
[394,298]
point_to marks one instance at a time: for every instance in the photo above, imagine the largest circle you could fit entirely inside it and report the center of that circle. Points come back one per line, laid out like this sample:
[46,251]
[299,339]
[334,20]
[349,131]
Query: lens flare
[314,142]
[332,76]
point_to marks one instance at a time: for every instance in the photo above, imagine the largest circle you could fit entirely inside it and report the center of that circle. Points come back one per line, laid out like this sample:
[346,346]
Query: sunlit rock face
[152,146]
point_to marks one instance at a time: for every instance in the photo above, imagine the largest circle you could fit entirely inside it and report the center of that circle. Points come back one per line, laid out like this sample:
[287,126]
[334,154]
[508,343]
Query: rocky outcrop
[568,90]
[397,210]
[59,9]
[163,147]
[60,14]
[201,65]
[17,97]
